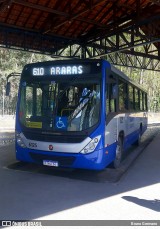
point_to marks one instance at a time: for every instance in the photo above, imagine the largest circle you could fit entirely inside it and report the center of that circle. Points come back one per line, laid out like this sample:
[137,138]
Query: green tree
[14,61]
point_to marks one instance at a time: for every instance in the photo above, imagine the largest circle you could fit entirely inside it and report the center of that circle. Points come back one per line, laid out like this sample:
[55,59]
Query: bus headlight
[91,145]
[19,140]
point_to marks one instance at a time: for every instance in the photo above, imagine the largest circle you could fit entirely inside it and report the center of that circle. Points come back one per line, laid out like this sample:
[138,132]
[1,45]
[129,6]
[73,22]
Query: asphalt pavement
[34,192]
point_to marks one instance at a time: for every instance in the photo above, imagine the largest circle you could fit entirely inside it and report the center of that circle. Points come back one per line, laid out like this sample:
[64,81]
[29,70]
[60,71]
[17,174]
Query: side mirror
[8,88]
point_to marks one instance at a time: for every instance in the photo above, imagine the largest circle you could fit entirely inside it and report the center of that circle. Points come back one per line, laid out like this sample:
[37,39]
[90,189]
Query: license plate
[50,163]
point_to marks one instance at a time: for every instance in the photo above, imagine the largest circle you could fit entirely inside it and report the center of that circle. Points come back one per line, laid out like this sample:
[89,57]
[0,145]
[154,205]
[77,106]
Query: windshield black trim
[84,132]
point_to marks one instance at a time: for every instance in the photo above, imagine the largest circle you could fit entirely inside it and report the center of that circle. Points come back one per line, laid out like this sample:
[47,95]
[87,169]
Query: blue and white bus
[77,114]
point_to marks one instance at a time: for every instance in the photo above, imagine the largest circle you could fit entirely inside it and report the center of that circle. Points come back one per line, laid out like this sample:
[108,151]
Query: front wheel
[119,154]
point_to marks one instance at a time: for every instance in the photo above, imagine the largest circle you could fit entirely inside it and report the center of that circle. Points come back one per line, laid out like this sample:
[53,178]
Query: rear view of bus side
[126,114]
[77,114]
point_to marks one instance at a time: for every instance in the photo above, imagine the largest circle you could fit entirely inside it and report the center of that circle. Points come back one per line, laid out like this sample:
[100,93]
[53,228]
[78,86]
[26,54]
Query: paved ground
[37,193]
[7,123]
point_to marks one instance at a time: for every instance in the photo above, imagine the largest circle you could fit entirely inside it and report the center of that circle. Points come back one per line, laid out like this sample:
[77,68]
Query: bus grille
[62,160]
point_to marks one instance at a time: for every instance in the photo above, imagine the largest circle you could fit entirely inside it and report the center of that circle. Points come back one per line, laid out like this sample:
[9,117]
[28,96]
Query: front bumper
[93,160]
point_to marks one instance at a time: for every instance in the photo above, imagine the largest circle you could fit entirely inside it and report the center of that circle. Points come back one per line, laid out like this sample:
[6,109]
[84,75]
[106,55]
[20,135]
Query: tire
[119,154]
[138,142]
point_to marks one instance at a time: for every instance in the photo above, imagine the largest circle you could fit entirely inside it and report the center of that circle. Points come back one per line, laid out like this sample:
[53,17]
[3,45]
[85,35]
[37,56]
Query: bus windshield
[60,105]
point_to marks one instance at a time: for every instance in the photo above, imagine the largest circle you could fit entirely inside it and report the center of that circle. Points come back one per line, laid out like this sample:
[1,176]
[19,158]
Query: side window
[144,101]
[141,101]
[131,98]
[137,100]
[123,102]
[111,98]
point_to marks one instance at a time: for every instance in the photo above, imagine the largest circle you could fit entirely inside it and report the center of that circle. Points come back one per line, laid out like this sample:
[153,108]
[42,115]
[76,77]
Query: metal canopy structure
[126,32]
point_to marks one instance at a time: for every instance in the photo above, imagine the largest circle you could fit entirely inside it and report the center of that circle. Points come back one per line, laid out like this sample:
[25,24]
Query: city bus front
[60,115]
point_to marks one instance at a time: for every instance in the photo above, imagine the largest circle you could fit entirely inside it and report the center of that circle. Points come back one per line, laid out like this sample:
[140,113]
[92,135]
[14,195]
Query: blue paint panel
[97,160]
[89,161]
[110,154]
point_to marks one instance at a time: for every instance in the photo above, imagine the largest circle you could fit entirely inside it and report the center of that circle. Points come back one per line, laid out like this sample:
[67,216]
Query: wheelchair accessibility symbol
[61,122]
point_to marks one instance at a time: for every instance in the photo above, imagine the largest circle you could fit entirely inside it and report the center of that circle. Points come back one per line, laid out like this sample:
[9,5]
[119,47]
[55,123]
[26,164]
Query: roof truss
[84,29]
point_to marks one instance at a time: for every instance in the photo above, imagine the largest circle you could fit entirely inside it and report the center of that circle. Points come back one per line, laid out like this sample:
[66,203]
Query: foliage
[14,61]
[149,80]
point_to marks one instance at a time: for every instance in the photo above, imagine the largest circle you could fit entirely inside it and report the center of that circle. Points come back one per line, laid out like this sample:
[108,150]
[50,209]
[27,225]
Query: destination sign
[60,70]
